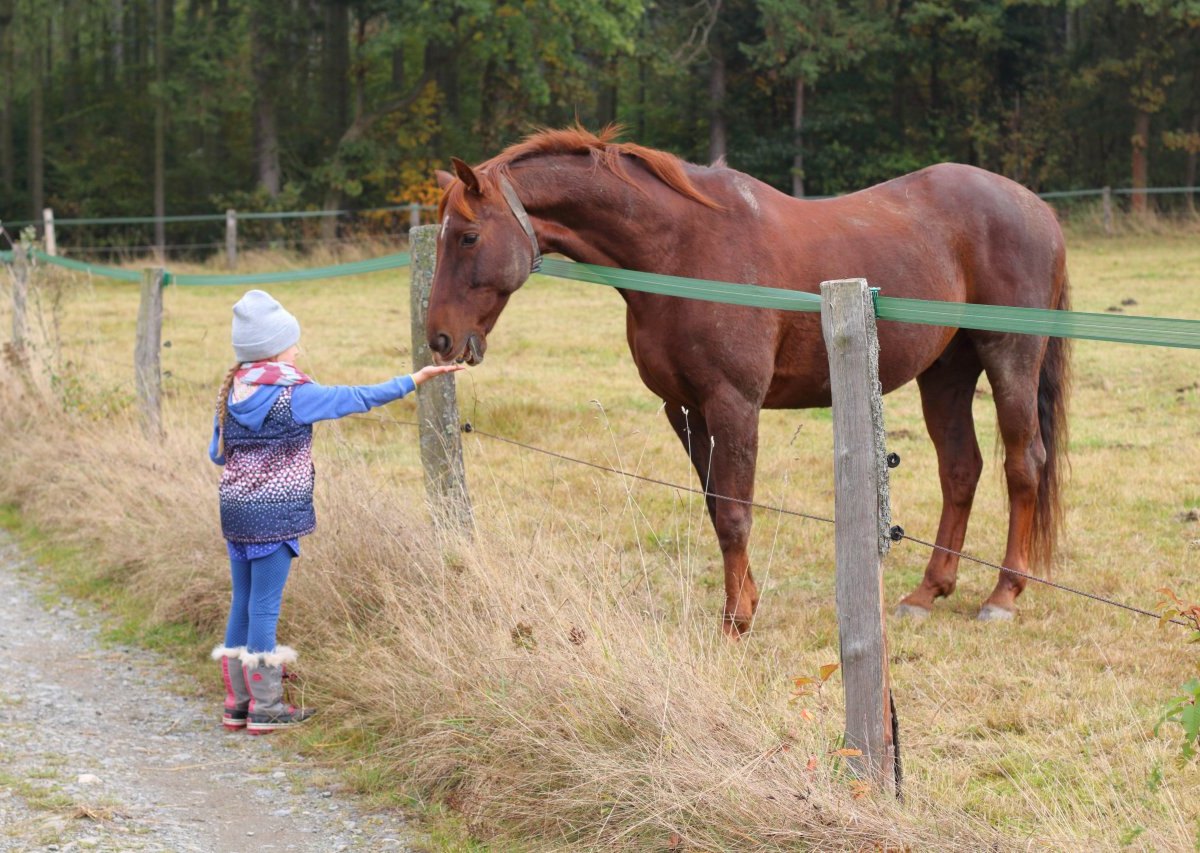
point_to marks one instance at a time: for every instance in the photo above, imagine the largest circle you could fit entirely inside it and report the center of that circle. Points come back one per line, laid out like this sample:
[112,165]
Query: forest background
[132,107]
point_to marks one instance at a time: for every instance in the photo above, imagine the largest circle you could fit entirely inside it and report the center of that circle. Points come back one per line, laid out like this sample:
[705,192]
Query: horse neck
[592,216]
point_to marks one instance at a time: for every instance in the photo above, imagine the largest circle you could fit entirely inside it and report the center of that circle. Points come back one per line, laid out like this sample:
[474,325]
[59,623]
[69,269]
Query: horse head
[486,250]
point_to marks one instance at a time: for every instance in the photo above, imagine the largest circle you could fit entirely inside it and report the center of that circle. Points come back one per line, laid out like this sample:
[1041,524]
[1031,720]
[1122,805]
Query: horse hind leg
[947,393]
[1013,370]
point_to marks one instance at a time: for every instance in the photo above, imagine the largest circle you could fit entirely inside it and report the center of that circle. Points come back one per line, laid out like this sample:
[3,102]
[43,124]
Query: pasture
[563,679]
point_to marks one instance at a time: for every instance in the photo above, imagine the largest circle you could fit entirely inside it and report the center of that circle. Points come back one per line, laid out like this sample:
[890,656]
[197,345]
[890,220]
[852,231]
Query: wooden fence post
[20,326]
[231,238]
[437,403]
[861,510]
[147,354]
[48,224]
[1108,211]
[414,217]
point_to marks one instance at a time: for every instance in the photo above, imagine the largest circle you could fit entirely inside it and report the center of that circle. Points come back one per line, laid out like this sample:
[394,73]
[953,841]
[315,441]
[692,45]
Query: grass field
[561,681]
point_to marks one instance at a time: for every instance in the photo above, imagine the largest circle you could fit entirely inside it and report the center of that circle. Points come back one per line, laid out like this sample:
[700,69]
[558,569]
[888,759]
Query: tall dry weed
[525,685]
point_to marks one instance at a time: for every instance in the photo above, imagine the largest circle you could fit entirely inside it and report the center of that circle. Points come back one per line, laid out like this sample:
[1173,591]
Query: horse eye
[470,239]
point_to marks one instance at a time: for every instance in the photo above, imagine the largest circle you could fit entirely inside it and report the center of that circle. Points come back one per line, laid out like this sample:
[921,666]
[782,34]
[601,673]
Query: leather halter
[518,209]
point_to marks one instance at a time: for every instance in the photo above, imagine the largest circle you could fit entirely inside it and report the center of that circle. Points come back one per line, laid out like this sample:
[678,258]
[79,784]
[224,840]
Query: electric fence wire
[468,428]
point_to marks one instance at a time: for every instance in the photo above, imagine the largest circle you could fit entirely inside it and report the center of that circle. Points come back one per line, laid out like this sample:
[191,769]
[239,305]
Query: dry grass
[561,681]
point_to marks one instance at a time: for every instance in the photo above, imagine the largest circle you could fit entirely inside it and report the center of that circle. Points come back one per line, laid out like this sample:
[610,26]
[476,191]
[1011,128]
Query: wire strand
[468,428]
[1045,581]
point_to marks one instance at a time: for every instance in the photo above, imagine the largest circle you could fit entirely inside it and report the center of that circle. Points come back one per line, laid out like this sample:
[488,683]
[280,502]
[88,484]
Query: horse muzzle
[469,352]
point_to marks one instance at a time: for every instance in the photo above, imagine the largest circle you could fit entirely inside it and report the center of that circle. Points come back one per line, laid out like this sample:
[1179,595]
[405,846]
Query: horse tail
[1054,389]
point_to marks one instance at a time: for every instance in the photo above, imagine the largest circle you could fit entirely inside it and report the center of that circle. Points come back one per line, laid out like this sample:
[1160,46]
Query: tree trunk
[441,62]
[329,224]
[266,133]
[1189,174]
[398,67]
[37,194]
[606,98]
[160,127]
[798,140]
[643,72]
[335,68]
[360,71]
[1141,168]
[8,68]
[717,135]
[118,37]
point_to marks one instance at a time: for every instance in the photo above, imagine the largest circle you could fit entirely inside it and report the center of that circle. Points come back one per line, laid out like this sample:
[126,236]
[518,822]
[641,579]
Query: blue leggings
[257,594]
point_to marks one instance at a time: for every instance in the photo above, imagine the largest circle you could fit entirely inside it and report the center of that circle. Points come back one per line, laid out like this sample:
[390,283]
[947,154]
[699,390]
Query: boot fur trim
[280,656]
[226,652]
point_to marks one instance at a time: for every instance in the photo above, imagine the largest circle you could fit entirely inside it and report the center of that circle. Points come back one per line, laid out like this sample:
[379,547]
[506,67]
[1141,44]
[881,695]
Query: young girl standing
[262,435]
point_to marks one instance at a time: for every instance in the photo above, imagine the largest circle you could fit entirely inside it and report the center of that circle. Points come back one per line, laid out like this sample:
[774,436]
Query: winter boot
[264,678]
[237,696]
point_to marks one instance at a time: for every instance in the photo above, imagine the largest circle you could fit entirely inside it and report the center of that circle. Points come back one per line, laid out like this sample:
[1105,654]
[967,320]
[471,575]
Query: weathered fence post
[861,510]
[231,238]
[437,403]
[1108,211]
[20,295]
[147,353]
[414,216]
[48,224]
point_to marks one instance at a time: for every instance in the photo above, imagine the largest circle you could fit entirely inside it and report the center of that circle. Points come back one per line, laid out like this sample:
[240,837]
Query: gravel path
[98,753]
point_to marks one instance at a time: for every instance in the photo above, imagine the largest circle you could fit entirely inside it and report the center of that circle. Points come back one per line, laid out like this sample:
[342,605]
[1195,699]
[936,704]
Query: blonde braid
[223,406]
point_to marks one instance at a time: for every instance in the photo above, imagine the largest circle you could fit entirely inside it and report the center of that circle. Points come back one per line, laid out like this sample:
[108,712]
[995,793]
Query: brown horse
[949,232]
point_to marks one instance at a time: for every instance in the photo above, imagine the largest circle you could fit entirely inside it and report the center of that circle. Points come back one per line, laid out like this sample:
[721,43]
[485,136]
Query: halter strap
[518,209]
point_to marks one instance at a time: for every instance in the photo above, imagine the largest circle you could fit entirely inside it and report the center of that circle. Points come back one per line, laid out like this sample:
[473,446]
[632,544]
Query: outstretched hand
[432,370]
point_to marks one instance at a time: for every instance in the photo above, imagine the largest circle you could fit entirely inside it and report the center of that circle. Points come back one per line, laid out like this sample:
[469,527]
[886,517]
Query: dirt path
[97,753]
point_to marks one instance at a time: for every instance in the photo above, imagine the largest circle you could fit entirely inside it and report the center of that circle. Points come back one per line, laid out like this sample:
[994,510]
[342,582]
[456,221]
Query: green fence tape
[752,295]
[1153,331]
[387,262]
[92,269]
[6,255]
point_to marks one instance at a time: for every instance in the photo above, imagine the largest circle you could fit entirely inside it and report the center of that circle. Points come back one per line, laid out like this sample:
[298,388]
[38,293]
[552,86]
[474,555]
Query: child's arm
[312,402]
[212,445]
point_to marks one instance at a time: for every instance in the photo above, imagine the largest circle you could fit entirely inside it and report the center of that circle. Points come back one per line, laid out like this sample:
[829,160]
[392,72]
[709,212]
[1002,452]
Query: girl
[262,434]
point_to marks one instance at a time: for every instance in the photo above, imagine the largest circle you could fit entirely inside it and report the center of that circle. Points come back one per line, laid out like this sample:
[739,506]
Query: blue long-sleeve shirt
[312,402]
[309,403]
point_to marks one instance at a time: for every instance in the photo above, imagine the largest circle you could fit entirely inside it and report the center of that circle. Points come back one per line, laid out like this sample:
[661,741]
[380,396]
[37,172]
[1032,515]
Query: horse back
[948,232]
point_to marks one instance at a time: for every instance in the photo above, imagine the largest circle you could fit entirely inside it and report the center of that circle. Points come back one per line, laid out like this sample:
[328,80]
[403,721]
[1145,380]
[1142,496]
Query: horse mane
[605,154]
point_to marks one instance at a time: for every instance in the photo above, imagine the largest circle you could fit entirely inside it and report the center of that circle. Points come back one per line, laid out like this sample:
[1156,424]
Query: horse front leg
[692,431]
[733,429]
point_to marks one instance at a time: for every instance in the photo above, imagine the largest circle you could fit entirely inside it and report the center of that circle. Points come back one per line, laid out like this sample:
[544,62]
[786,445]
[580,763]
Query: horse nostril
[440,343]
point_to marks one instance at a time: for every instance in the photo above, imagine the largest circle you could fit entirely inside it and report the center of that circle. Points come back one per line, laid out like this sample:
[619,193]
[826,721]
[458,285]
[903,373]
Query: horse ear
[443,178]
[466,175]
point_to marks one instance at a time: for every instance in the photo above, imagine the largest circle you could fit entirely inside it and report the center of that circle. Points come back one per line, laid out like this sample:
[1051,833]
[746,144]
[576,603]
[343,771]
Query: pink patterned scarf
[270,373]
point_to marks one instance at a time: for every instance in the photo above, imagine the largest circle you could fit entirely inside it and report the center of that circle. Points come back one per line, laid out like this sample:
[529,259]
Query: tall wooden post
[231,238]
[1106,200]
[147,353]
[861,510]
[437,402]
[414,217]
[48,224]
[20,296]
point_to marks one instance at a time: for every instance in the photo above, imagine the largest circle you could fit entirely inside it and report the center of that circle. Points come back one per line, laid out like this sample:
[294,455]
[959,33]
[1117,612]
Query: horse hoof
[995,613]
[912,611]
[735,629]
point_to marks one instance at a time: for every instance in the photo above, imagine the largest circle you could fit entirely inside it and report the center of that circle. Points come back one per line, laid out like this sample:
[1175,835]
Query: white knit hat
[262,327]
